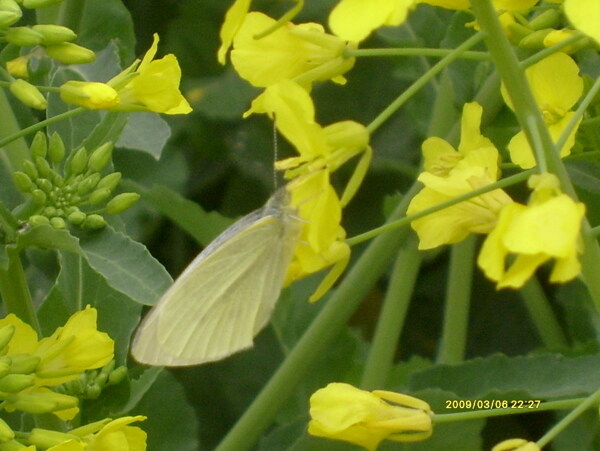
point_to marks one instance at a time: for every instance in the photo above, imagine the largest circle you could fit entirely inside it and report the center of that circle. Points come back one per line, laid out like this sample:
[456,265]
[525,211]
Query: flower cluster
[70,190]
[343,412]
[37,376]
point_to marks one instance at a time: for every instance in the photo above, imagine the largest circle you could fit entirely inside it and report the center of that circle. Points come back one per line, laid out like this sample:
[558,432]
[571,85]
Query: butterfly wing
[223,299]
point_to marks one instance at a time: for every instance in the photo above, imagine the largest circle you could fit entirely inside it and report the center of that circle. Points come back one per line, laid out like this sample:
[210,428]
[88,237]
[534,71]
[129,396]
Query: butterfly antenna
[275,154]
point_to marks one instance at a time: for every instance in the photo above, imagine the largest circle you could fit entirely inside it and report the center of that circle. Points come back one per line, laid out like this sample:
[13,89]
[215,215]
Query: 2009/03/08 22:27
[478,404]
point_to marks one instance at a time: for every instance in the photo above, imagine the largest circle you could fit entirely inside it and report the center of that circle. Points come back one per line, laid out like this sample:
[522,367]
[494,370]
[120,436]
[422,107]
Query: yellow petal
[585,16]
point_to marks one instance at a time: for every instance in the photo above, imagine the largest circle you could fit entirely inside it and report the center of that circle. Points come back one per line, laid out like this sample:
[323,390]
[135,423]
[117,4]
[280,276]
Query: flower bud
[23,36]
[92,391]
[534,40]
[5,362]
[79,161]
[548,19]
[100,157]
[76,218]
[36,220]
[10,13]
[57,179]
[6,433]
[30,169]
[39,145]
[6,334]
[56,148]
[44,184]
[69,53]
[43,167]
[122,202]
[39,197]
[90,95]
[99,196]
[58,223]
[54,34]
[94,222]
[40,402]
[28,94]
[110,181]
[19,67]
[43,438]
[14,383]
[117,375]
[22,181]
[90,428]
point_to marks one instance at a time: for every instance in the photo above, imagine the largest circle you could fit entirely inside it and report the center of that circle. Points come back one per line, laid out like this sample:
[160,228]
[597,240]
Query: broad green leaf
[126,265]
[147,132]
[542,376]
[79,285]
[172,423]
[109,129]
[140,387]
[203,226]
[48,237]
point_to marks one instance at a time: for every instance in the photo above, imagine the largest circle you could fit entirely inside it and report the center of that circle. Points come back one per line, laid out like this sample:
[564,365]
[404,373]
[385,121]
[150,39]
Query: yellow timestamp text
[484,404]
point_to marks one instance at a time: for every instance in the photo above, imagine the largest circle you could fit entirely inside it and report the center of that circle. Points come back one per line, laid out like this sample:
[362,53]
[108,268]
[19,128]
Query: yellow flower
[475,149]
[115,435]
[73,348]
[546,229]
[303,52]
[585,16]
[516,444]
[293,111]
[233,20]
[89,94]
[449,4]
[354,20]
[556,86]
[453,224]
[321,242]
[343,412]
[151,85]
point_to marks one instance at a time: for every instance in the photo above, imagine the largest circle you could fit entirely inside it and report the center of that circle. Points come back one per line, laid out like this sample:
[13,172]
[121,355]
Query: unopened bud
[41,402]
[22,181]
[39,145]
[117,375]
[548,19]
[4,365]
[44,184]
[69,53]
[6,334]
[94,222]
[534,40]
[54,34]
[30,169]
[42,166]
[36,220]
[76,218]
[99,196]
[58,223]
[6,433]
[121,202]
[10,13]
[93,390]
[43,438]
[39,197]
[100,157]
[23,36]
[24,363]
[56,148]
[110,181]
[28,94]
[14,383]
[90,95]
[79,162]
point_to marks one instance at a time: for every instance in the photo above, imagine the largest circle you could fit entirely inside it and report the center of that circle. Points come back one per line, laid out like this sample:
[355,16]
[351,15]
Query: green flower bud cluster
[90,384]
[70,190]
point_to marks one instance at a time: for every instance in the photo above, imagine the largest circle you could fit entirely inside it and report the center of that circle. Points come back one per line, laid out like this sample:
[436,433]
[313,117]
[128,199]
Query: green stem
[324,328]
[486,413]
[15,291]
[422,81]
[392,316]
[469,54]
[592,400]
[42,124]
[508,181]
[458,299]
[542,315]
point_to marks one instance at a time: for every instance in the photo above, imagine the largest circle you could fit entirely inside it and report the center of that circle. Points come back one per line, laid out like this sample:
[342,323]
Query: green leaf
[542,376]
[147,132]
[48,237]
[171,423]
[109,129]
[203,226]
[78,285]
[140,387]
[126,265]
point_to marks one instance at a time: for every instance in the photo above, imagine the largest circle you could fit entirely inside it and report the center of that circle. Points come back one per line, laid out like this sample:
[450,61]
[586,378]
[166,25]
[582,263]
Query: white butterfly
[226,295]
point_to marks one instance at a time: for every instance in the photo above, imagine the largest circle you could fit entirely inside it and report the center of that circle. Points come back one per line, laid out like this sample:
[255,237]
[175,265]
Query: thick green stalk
[325,327]
[458,300]
[392,316]
[542,315]
[15,291]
